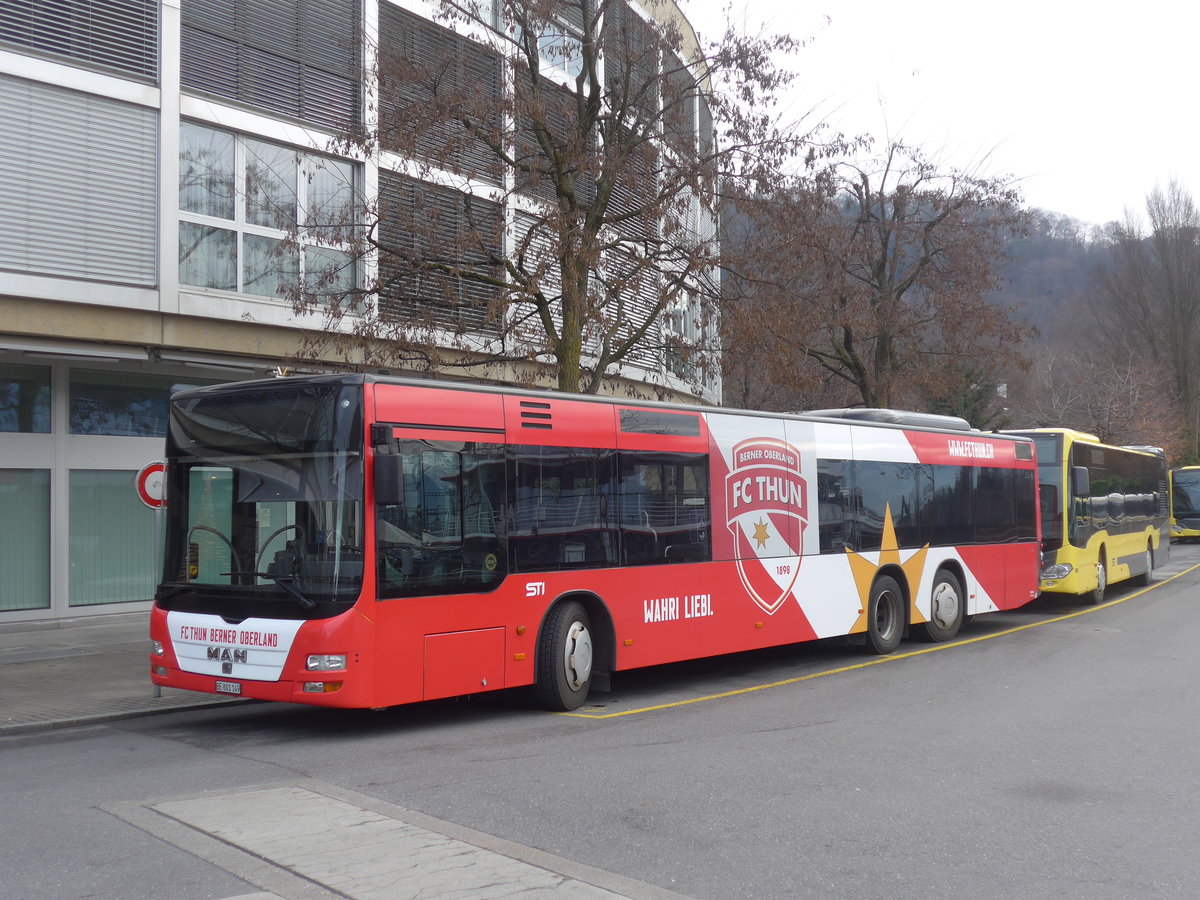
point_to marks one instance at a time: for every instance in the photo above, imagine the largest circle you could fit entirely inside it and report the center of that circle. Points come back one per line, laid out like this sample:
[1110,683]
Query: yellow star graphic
[760,533]
[864,571]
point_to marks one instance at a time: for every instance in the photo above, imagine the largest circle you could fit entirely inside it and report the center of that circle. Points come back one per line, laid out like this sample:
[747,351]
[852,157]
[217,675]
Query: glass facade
[72,439]
[25,550]
[112,541]
[119,403]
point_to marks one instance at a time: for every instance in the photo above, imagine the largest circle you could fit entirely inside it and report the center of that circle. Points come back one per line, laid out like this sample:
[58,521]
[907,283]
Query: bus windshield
[1050,487]
[265,501]
[1185,487]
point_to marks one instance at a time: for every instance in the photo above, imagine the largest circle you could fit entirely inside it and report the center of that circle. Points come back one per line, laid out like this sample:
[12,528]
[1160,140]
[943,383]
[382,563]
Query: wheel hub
[944,607]
[577,660]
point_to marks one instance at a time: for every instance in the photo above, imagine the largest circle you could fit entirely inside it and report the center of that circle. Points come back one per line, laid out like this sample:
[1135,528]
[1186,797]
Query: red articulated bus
[361,541]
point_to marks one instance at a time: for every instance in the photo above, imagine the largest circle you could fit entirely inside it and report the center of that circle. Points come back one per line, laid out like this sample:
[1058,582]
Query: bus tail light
[325,662]
[322,687]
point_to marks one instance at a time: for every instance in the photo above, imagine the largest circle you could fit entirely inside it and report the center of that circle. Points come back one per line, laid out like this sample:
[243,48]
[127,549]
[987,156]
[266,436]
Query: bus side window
[947,516]
[1027,505]
[833,504]
[883,488]
[560,517]
[664,508]
[439,532]
[995,506]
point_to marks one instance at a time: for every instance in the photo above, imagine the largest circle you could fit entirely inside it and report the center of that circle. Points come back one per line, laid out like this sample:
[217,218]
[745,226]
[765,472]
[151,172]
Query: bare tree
[1151,293]
[878,276]
[1114,395]
[548,188]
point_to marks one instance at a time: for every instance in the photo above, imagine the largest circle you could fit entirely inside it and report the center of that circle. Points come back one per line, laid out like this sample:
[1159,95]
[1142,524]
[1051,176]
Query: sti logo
[767,502]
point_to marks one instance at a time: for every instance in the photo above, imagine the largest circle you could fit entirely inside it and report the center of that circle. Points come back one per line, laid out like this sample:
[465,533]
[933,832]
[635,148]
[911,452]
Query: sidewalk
[304,839]
[76,671]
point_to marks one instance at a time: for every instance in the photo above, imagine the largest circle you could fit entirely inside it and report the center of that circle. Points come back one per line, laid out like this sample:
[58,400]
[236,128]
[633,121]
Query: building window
[254,215]
[121,403]
[117,35]
[25,399]
[25,550]
[684,330]
[300,58]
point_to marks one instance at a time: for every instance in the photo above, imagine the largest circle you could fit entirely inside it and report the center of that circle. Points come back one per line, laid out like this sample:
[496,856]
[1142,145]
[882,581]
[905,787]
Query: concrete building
[135,255]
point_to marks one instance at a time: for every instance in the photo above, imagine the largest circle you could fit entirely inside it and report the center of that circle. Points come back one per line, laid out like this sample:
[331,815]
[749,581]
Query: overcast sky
[1090,105]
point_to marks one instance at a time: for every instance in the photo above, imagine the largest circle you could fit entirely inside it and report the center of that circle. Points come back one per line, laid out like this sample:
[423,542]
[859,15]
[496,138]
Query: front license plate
[229,687]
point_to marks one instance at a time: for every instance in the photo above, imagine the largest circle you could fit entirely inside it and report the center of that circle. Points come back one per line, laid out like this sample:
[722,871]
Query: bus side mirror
[389,489]
[1081,483]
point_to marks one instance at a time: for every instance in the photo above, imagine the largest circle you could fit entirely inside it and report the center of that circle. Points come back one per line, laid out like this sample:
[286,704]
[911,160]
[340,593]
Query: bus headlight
[1057,571]
[156,648]
[325,662]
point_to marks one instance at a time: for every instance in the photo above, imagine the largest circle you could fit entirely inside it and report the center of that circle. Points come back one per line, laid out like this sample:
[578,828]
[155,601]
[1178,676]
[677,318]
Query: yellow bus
[1185,504]
[1104,510]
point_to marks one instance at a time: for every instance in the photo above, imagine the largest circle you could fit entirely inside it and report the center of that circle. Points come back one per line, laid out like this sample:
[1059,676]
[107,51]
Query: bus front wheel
[564,661]
[1096,596]
[885,615]
[946,608]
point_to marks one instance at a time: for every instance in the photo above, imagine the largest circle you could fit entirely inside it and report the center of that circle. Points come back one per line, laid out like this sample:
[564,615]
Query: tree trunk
[568,349]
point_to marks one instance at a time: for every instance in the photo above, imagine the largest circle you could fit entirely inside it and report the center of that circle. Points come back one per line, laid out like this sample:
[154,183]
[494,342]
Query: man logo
[767,501]
[226,655]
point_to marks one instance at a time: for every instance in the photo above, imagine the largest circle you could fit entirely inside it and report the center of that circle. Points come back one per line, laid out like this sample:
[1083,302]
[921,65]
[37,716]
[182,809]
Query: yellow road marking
[881,659]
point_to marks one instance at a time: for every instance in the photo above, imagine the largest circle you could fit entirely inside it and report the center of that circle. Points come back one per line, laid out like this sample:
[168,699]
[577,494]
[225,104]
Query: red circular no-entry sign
[150,487]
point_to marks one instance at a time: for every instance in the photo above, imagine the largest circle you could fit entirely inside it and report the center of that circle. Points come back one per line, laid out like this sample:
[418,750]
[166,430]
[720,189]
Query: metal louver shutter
[81,185]
[116,35]
[560,117]
[420,58]
[300,59]
[706,128]
[423,222]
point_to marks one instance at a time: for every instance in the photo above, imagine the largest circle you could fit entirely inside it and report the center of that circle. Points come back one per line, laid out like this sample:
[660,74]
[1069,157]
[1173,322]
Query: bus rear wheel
[885,615]
[564,660]
[946,608]
[1147,576]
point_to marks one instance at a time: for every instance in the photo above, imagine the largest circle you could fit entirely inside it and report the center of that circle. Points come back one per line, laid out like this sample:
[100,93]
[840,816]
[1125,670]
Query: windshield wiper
[285,582]
[170,592]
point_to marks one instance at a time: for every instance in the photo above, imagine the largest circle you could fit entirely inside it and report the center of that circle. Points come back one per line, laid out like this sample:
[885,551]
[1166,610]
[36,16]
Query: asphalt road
[1049,753]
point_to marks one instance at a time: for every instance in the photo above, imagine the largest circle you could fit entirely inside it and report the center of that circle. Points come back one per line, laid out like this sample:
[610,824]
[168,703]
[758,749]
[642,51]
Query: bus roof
[1087,438]
[895,417]
[884,418]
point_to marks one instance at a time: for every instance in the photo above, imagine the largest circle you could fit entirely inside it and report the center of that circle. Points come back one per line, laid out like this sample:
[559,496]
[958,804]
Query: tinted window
[1027,509]
[664,508]
[1186,486]
[25,399]
[445,535]
[995,509]
[561,514]
[948,515]
[649,421]
[833,504]
[881,489]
